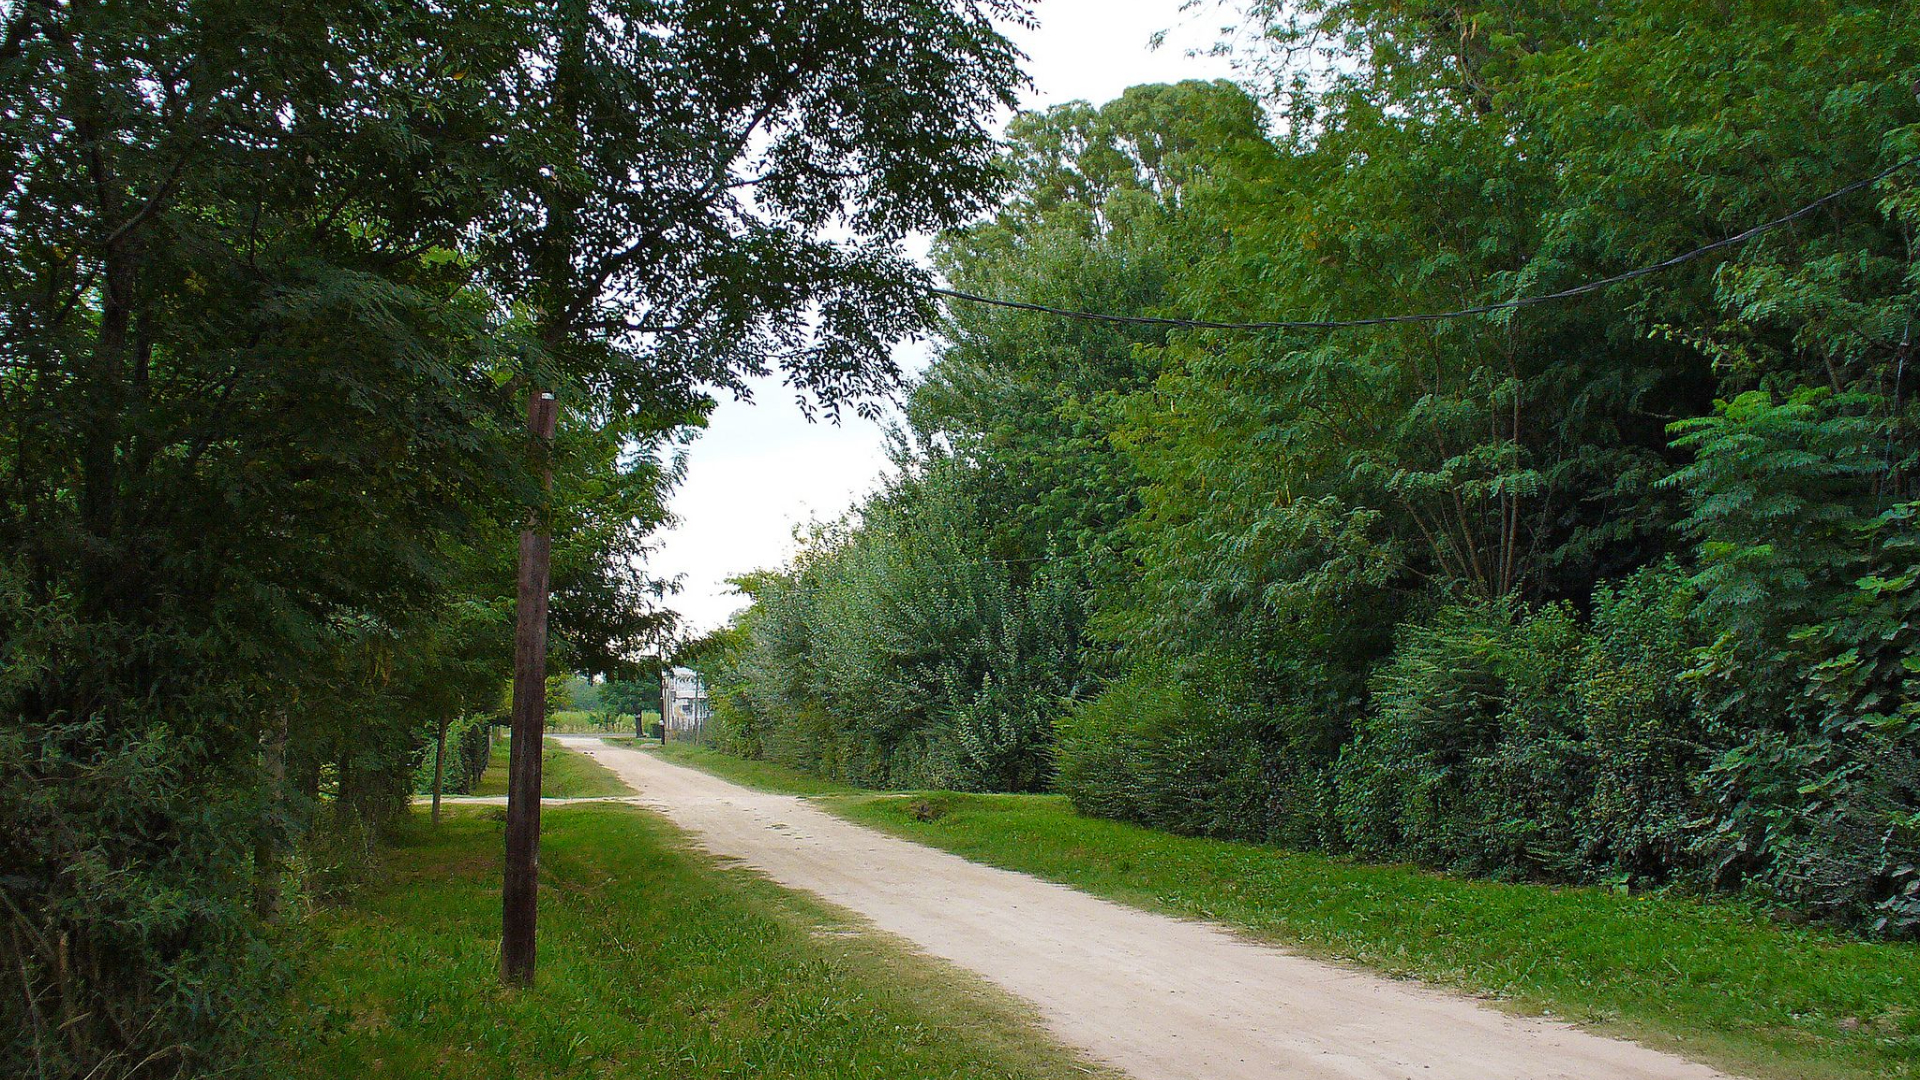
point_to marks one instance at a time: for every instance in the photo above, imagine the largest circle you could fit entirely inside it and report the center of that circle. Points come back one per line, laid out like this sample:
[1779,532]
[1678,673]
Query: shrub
[1647,732]
[1516,743]
[469,749]
[1150,750]
[1810,581]
[1472,758]
[1103,746]
[128,936]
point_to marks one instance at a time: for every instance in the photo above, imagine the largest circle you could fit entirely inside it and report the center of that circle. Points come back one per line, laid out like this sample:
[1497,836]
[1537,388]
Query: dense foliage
[1620,588]
[902,654]
[276,281]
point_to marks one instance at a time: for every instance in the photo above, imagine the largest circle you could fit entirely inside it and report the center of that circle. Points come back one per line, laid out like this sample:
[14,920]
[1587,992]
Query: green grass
[654,962]
[1714,980]
[582,722]
[764,775]
[563,774]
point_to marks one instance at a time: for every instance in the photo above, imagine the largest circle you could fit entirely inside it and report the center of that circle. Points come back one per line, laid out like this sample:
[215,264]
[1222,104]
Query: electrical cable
[1435,316]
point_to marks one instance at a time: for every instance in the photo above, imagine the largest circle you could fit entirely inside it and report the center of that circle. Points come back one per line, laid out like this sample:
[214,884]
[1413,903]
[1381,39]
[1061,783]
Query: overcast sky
[760,469]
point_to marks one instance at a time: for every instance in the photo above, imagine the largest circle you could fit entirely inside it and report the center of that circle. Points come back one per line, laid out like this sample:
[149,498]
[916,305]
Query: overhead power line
[1436,316]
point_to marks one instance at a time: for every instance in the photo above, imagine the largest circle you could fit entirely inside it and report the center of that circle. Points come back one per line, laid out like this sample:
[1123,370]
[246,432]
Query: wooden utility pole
[520,891]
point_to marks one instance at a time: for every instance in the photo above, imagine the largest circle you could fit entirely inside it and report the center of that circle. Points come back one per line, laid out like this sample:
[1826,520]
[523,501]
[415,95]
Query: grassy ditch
[1713,980]
[654,962]
[563,774]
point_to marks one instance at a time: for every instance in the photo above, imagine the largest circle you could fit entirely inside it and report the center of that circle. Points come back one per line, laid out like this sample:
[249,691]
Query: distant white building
[683,702]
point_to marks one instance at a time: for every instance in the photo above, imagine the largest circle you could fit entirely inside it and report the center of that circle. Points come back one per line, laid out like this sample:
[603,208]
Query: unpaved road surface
[1161,998]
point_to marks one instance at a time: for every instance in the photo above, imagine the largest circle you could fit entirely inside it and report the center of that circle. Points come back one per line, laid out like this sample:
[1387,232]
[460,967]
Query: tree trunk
[269,838]
[439,768]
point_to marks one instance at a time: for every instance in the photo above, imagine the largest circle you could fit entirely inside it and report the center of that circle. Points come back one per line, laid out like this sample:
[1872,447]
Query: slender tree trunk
[520,891]
[268,839]
[439,768]
[343,787]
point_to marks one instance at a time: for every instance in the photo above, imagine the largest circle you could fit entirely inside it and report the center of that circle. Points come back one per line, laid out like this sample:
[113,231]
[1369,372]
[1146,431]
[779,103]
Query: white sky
[761,469]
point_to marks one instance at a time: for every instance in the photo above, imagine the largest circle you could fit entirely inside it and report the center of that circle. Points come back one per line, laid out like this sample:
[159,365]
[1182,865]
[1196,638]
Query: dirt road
[1161,998]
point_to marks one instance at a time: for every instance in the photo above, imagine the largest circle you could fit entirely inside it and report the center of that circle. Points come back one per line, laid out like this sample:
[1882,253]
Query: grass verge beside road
[765,775]
[1712,980]
[582,722]
[563,774]
[654,962]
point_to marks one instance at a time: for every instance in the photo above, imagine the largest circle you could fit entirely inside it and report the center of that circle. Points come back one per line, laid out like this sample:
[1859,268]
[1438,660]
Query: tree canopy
[276,280]
[1610,589]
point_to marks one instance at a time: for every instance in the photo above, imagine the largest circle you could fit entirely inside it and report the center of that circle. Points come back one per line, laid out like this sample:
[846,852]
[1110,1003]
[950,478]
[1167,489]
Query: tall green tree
[693,156]
[276,278]
[247,400]
[1305,492]
[1608,588]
